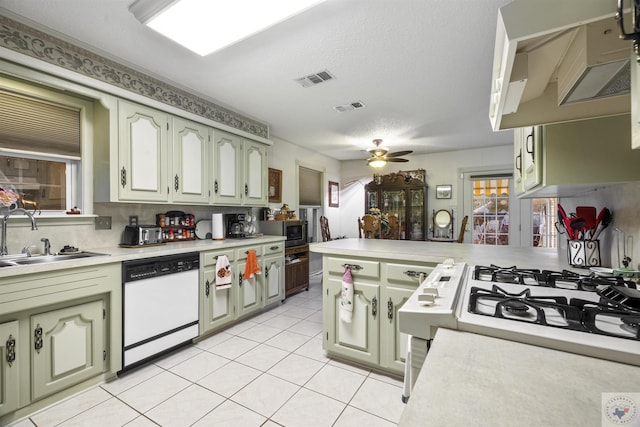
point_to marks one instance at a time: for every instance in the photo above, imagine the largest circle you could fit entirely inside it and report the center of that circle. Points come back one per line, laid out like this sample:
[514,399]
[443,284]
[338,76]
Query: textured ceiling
[422,68]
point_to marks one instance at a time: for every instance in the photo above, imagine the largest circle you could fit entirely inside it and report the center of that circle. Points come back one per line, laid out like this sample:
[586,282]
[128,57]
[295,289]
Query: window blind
[309,187]
[30,124]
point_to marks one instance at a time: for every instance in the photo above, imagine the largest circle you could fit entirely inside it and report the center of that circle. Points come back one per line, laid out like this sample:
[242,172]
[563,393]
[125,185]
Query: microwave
[295,231]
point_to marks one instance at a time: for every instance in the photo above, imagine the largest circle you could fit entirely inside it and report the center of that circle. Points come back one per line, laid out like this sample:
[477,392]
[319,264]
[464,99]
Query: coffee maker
[236,225]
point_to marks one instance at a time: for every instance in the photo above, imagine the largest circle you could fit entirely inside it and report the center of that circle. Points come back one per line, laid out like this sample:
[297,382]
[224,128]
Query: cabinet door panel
[189,158]
[9,368]
[142,153]
[71,349]
[359,339]
[227,170]
[274,279]
[218,308]
[256,174]
[249,291]
[394,350]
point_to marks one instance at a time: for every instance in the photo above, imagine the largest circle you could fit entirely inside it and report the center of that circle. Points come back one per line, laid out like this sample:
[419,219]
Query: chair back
[324,228]
[393,231]
[370,227]
[462,227]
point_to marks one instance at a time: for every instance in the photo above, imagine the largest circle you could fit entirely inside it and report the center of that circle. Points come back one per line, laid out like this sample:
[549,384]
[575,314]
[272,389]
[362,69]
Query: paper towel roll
[217,227]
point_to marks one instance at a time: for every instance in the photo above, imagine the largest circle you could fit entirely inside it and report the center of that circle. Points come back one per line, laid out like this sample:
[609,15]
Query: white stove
[582,323]
[577,313]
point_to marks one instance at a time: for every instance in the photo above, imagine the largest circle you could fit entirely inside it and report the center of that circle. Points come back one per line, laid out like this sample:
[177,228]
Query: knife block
[583,253]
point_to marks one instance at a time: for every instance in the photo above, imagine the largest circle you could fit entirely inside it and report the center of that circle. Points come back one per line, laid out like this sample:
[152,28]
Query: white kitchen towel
[223,272]
[346,300]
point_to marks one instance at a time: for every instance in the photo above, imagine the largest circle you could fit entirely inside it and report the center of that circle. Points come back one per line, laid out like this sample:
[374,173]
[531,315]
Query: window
[490,215]
[40,145]
[544,217]
[309,187]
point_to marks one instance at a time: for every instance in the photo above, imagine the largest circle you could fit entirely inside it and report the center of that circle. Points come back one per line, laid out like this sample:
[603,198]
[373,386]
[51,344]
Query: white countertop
[437,252]
[119,254]
[475,380]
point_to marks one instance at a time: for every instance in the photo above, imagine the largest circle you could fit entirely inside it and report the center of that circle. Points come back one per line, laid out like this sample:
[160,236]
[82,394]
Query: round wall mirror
[442,219]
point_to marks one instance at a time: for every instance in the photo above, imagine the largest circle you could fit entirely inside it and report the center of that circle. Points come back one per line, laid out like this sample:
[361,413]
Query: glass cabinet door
[417,226]
[394,203]
[371,200]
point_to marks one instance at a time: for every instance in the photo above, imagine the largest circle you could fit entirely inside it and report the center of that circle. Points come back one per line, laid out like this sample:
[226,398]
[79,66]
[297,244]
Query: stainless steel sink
[12,261]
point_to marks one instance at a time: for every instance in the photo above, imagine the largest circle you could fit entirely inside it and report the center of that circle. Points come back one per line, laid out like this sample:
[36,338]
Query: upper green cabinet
[142,153]
[190,144]
[240,170]
[166,159]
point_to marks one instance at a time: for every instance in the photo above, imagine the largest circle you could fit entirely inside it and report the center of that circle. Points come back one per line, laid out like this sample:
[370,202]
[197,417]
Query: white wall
[286,156]
[441,168]
[622,200]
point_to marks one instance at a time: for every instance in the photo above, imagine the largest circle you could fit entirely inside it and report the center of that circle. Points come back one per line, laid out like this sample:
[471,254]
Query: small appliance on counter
[140,235]
[238,225]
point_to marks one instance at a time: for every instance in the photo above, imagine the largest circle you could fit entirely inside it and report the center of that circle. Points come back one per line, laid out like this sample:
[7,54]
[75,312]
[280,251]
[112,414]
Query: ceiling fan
[380,155]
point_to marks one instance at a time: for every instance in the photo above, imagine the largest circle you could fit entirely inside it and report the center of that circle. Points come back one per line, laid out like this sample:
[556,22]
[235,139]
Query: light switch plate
[133,220]
[103,223]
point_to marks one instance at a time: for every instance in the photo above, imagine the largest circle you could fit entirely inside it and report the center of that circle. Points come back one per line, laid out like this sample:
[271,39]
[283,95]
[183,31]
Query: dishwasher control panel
[159,266]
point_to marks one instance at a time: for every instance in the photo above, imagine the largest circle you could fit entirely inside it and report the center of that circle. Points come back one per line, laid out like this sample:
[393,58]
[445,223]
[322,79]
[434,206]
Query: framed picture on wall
[443,191]
[334,193]
[275,185]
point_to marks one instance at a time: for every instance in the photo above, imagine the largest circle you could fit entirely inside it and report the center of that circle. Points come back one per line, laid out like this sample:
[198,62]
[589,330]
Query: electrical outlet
[103,223]
[133,220]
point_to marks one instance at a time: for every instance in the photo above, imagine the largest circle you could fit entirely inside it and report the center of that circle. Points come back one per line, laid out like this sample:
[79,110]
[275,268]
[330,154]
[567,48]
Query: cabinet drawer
[359,268]
[241,253]
[407,274]
[273,248]
[210,258]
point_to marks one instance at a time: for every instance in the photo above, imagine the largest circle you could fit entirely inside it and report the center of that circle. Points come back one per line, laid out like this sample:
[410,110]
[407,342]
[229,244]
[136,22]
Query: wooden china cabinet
[403,194]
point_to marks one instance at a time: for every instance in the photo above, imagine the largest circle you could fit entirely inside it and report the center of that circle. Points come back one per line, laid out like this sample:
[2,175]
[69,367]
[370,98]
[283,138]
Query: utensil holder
[583,253]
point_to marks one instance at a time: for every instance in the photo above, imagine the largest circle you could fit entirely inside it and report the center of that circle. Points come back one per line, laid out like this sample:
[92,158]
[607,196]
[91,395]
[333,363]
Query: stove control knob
[430,291]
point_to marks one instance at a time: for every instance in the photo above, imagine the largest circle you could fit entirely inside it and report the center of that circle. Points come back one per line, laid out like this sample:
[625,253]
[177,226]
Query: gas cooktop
[581,313]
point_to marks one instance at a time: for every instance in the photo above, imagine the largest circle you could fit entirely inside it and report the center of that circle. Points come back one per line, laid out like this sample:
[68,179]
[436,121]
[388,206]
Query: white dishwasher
[159,306]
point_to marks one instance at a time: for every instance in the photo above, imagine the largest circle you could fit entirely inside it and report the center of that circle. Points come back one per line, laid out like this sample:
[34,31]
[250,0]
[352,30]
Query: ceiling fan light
[377,163]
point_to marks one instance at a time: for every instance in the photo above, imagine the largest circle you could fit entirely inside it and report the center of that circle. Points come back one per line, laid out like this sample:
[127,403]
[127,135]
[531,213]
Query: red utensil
[589,215]
[566,221]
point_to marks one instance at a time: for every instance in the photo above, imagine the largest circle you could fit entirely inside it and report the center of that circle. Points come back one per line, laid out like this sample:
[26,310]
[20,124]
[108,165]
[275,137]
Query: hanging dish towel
[223,272]
[346,301]
[252,267]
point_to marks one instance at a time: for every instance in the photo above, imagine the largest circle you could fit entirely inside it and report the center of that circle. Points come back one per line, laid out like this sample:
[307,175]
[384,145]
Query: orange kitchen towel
[223,272]
[252,268]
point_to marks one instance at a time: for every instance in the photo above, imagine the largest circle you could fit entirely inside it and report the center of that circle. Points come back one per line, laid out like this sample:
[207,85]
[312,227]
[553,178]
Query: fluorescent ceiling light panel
[205,26]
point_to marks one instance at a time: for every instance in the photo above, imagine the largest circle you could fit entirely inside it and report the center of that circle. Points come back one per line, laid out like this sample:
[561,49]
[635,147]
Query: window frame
[80,194]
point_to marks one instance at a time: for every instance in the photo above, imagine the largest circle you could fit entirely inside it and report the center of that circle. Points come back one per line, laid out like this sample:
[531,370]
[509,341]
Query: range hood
[557,61]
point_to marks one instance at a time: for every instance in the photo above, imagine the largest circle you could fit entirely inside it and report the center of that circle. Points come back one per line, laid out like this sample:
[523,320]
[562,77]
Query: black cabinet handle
[353,266]
[123,177]
[207,287]
[176,182]
[37,338]
[11,350]
[215,186]
[240,279]
[374,307]
[390,309]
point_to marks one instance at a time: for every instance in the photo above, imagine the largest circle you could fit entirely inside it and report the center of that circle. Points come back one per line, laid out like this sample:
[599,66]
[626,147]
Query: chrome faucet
[3,240]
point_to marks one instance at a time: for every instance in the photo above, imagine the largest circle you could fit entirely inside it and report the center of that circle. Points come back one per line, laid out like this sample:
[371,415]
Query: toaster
[138,235]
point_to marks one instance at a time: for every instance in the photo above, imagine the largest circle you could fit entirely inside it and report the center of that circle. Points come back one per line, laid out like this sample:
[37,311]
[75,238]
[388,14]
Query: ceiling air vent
[315,79]
[349,107]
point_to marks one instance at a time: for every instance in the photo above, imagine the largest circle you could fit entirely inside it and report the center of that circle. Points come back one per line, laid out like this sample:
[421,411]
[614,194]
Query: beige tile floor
[269,370]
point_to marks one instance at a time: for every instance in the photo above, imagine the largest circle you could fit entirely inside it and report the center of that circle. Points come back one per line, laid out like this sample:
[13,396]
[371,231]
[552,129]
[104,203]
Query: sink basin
[43,259]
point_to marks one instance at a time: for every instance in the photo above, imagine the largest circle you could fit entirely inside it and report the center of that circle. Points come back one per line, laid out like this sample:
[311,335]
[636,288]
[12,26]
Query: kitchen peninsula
[385,275]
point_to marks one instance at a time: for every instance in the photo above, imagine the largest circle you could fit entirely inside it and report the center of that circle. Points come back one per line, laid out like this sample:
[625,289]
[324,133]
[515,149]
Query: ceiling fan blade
[399,153]
[396,159]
